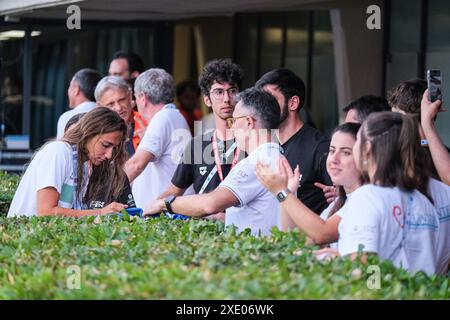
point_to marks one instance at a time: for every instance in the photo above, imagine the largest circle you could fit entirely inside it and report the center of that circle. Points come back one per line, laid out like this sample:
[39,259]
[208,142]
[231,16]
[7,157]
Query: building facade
[341,49]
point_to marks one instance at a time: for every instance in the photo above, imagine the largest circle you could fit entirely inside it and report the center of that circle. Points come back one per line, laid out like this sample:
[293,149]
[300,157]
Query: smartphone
[176,216]
[133,211]
[434,81]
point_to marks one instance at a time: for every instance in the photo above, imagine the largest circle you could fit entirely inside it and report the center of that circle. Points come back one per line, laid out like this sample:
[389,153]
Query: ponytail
[395,148]
[408,142]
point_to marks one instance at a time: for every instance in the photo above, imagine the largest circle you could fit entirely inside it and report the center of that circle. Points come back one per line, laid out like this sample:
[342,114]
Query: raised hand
[429,110]
[293,177]
[272,180]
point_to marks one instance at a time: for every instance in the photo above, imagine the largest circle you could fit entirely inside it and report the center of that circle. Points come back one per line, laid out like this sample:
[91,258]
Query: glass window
[56,55]
[269,54]
[438,55]
[405,25]
[271,41]
[323,87]
[297,43]
[246,43]
[404,41]
[11,84]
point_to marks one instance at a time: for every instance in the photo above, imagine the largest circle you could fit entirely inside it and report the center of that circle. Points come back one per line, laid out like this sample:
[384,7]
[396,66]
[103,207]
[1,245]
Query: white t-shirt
[65,117]
[339,213]
[165,137]
[398,226]
[52,166]
[440,192]
[258,209]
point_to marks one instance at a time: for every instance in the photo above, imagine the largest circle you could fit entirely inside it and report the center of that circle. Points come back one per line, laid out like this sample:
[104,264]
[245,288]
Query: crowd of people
[380,186]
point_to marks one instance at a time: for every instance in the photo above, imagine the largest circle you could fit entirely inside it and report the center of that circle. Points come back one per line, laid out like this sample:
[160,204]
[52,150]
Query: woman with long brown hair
[56,180]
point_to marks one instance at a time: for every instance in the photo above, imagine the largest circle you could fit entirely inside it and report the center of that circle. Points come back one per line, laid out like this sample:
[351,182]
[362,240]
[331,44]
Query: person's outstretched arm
[439,153]
[47,205]
[197,205]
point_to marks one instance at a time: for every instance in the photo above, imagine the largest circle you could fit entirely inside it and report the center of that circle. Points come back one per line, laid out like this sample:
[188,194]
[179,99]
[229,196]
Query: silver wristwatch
[282,195]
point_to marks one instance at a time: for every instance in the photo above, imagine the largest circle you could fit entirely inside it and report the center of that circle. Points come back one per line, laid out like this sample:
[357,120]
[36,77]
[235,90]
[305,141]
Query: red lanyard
[217,158]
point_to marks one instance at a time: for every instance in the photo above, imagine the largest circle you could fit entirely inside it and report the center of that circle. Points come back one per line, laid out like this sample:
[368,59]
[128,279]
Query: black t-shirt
[308,148]
[198,161]
[125,197]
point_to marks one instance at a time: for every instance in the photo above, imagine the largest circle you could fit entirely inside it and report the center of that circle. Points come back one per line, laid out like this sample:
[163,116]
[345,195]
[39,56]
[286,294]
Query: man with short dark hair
[247,202]
[81,96]
[406,96]
[302,144]
[209,157]
[126,65]
[358,110]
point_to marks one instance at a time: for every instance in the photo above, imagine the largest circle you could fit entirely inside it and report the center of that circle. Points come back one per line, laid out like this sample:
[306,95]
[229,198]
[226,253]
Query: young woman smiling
[343,172]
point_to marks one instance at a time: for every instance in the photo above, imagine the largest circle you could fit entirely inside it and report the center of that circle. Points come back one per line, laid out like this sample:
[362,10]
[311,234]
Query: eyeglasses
[231,120]
[219,93]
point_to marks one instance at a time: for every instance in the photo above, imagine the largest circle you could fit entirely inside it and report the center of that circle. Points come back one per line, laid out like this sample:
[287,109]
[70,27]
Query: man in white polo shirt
[158,154]
[81,96]
[248,204]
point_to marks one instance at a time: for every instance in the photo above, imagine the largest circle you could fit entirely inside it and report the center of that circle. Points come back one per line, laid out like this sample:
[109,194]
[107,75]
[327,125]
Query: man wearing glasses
[209,157]
[248,203]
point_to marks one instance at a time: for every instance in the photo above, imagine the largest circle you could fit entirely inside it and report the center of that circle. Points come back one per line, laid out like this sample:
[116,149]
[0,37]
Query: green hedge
[196,259]
[8,185]
[167,259]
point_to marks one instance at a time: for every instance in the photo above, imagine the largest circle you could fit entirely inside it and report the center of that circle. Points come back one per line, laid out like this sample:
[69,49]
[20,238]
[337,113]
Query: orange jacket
[139,123]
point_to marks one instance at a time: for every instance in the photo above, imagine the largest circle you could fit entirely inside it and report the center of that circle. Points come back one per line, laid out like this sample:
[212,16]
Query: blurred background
[327,43]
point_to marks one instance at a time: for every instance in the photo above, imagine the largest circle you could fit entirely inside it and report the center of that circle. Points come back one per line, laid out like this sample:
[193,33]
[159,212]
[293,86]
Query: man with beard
[209,157]
[302,144]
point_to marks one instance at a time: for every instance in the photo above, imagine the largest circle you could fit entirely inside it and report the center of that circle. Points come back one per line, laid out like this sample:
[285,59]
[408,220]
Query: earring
[365,163]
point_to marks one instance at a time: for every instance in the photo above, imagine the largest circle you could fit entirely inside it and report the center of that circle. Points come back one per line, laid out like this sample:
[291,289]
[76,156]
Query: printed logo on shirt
[131,203]
[397,212]
[240,176]
[444,213]
[202,170]
[96,205]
